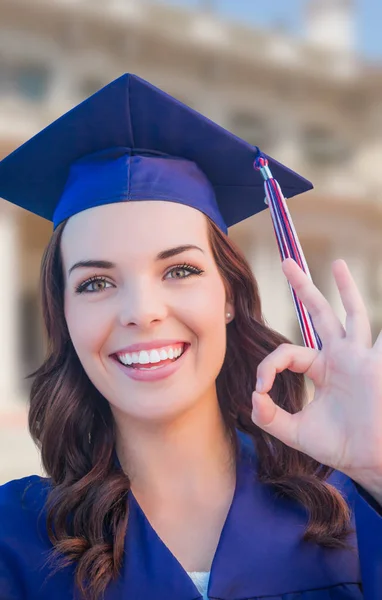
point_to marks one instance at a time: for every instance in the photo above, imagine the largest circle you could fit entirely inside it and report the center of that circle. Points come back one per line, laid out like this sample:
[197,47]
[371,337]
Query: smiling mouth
[151,360]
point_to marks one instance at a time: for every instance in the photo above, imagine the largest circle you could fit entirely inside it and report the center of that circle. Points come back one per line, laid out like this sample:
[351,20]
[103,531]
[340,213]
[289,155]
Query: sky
[368,14]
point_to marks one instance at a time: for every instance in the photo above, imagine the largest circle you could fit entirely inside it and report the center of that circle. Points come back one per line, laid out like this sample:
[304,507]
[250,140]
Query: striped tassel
[289,246]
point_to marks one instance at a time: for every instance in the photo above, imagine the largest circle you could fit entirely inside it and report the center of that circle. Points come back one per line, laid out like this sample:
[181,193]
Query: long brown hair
[72,423]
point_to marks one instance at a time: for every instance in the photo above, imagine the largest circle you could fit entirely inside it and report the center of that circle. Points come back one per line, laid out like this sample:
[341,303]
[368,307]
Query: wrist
[371,482]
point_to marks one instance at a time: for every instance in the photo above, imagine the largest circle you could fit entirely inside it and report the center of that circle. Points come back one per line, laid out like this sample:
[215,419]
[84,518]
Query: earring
[228,315]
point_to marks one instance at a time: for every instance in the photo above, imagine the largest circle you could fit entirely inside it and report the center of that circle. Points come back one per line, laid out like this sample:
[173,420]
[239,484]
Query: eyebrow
[107,264]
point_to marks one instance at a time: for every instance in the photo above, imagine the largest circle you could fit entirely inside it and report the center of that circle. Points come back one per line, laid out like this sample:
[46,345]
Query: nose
[142,305]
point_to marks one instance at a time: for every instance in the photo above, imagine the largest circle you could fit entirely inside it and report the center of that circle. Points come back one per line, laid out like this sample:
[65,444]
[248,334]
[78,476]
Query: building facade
[309,102]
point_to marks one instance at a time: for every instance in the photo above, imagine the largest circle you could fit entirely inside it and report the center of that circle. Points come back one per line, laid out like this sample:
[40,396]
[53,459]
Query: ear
[229,312]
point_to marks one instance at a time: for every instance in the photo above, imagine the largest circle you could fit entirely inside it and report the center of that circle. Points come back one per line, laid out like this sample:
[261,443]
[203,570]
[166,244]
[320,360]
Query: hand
[342,426]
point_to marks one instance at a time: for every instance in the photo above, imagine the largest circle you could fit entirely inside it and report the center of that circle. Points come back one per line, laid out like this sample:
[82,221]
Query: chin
[152,409]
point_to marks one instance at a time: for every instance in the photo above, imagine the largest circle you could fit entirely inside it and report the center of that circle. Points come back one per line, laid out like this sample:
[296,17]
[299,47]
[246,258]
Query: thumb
[275,420]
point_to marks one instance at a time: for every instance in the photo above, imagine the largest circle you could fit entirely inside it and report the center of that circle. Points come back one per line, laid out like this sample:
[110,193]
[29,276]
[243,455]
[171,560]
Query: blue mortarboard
[131,141]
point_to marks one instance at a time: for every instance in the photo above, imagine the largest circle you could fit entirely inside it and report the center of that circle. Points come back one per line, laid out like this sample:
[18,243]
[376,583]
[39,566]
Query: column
[276,299]
[287,135]
[9,311]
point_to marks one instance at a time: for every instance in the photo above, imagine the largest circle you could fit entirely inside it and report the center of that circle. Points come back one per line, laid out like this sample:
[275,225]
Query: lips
[151,371]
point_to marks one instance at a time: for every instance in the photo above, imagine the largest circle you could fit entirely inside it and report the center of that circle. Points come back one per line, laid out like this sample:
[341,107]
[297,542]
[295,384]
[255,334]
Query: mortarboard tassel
[289,246]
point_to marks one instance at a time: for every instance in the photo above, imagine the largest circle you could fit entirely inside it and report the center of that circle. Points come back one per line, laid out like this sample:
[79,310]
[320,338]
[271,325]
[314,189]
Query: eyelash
[81,288]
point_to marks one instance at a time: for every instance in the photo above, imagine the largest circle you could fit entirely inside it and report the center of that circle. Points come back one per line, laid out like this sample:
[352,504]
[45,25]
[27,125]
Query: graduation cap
[131,141]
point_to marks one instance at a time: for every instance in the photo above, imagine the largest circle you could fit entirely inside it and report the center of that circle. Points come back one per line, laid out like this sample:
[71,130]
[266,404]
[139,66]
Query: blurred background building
[311,100]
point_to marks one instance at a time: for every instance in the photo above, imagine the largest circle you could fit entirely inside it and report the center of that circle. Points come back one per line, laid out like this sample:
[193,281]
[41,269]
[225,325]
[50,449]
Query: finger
[275,420]
[324,319]
[357,321]
[286,356]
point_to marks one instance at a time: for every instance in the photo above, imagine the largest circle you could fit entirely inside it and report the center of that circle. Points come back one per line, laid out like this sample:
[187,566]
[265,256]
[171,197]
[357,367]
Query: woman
[180,466]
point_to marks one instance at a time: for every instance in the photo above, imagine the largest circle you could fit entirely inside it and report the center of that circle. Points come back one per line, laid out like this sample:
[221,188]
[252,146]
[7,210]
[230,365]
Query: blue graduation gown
[260,551]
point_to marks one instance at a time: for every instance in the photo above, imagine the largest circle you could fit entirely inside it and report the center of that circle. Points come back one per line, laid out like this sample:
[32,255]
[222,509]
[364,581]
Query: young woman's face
[145,305]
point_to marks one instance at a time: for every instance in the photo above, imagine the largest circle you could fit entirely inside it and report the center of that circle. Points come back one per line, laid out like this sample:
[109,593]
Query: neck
[186,457]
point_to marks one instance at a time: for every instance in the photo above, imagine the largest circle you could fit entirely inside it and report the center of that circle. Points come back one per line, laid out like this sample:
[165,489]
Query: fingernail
[255,406]
[259,385]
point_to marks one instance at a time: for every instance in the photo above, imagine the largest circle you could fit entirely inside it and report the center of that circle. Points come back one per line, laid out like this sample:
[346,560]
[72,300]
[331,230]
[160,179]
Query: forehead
[142,227]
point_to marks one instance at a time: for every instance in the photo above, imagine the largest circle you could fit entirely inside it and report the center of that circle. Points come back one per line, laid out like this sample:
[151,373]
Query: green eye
[98,283]
[183,272]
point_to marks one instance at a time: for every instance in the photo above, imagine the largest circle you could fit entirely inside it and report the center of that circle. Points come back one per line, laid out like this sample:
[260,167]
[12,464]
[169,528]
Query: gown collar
[260,551]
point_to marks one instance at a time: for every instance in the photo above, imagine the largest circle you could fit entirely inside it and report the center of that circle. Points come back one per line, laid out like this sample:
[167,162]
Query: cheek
[205,315]
[88,328]
[209,304]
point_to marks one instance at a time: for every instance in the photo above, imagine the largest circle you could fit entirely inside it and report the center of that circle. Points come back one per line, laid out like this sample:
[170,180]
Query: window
[91,85]
[323,147]
[4,78]
[252,128]
[31,81]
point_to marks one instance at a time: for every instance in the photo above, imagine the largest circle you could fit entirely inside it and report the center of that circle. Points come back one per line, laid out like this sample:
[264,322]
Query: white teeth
[163,354]
[125,359]
[144,357]
[154,356]
[150,357]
